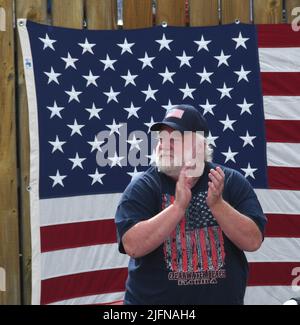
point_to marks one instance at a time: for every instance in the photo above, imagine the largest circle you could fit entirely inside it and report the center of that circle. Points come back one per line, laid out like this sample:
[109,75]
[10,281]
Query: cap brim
[157,126]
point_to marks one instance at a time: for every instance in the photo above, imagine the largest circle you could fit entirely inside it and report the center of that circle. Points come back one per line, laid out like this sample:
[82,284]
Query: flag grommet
[237,21]
[164,24]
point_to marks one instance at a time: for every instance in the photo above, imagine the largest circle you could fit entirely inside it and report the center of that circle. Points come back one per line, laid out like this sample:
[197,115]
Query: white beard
[174,171]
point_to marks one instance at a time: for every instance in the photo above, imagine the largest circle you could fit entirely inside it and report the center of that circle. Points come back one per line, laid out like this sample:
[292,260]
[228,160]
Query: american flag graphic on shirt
[196,244]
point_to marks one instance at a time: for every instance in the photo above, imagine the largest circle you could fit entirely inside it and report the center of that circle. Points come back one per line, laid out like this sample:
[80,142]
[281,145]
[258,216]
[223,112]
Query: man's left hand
[215,187]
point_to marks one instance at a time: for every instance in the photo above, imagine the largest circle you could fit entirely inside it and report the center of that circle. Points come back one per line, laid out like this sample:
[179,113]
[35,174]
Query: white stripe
[283,154]
[106,298]
[279,201]
[269,295]
[276,250]
[34,161]
[279,59]
[79,208]
[82,259]
[282,107]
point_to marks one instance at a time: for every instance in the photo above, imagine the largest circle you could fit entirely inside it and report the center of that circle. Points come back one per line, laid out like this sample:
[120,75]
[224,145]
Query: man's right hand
[183,193]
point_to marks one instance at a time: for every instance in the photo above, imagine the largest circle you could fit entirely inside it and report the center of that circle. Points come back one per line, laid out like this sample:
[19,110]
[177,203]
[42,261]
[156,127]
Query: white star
[225,92]
[147,61]
[202,44]
[116,160]
[114,127]
[91,79]
[134,173]
[108,63]
[129,78]
[70,62]
[87,47]
[222,58]
[75,128]
[242,74]
[164,43]
[57,145]
[240,41]
[211,140]
[152,157]
[208,108]
[126,47]
[149,125]
[96,144]
[248,139]
[150,93]
[94,111]
[112,95]
[205,76]
[97,178]
[77,161]
[167,75]
[73,94]
[48,42]
[245,107]
[229,155]
[184,60]
[169,106]
[228,123]
[55,110]
[58,179]
[52,76]
[134,143]
[249,171]
[132,111]
[187,91]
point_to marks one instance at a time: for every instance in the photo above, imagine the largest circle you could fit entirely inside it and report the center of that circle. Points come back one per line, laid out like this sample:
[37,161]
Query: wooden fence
[15,251]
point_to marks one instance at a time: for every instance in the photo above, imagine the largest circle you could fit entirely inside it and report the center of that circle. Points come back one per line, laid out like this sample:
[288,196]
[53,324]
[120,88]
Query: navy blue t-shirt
[197,263]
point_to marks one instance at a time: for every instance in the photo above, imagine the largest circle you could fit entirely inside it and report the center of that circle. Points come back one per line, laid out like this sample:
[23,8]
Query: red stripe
[272,273]
[83,284]
[203,250]
[282,131]
[284,178]
[222,243]
[173,244]
[183,245]
[194,252]
[279,35]
[214,253]
[283,225]
[77,235]
[280,83]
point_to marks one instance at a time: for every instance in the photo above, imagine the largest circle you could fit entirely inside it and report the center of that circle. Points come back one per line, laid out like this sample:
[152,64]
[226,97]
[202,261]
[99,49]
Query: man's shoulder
[149,177]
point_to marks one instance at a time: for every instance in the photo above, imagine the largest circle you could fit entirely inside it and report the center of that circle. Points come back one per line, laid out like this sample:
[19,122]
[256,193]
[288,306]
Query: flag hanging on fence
[93,96]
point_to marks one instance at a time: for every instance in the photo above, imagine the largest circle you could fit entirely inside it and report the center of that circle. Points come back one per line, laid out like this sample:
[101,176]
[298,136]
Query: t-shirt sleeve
[140,201]
[243,198]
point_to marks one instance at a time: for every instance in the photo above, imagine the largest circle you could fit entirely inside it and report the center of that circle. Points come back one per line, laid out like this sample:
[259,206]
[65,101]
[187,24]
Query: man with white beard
[186,222]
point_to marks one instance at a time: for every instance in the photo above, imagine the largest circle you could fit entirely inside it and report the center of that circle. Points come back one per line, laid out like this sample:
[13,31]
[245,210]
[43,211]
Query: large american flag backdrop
[82,82]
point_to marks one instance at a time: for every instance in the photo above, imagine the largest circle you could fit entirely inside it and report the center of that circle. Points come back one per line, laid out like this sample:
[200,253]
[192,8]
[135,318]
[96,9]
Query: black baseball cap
[183,118]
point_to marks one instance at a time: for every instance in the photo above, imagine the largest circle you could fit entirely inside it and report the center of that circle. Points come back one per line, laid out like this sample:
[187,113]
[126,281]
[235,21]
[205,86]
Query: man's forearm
[240,229]
[146,236]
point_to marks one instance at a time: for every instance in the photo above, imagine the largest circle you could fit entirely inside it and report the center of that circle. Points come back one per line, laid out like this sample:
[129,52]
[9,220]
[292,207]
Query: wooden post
[171,11]
[137,14]
[267,11]
[9,227]
[101,14]
[68,13]
[290,5]
[233,10]
[35,10]
[204,13]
